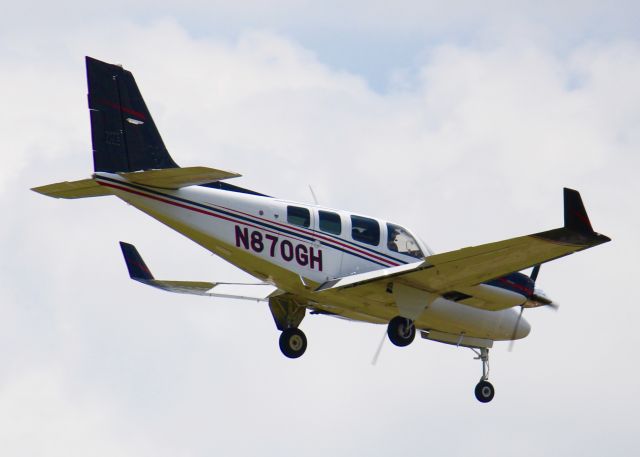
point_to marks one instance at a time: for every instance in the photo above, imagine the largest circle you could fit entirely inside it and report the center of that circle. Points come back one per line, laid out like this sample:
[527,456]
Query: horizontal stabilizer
[138,271]
[175,178]
[73,189]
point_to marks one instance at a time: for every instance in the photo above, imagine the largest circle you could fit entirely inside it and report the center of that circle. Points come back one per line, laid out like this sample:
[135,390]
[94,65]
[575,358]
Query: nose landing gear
[484,389]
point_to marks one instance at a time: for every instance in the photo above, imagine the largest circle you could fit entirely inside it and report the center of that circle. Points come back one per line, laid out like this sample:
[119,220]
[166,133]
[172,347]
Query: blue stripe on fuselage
[258,222]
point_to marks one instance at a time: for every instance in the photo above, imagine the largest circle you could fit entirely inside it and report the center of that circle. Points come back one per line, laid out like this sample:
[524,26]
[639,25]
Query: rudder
[123,133]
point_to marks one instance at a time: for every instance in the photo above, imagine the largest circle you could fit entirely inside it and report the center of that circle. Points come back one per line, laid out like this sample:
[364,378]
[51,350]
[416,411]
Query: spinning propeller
[379,350]
[536,299]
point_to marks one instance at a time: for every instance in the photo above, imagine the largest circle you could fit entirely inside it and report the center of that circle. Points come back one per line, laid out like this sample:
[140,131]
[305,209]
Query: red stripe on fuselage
[199,210]
[315,235]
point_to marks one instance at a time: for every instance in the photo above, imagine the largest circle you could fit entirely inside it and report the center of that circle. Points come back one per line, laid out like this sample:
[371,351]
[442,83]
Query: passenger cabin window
[399,240]
[330,222]
[298,216]
[365,230]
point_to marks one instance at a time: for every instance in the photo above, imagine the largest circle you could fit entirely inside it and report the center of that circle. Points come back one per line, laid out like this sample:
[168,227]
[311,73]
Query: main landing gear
[484,389]
[293,342]
[401,331]
[287,314]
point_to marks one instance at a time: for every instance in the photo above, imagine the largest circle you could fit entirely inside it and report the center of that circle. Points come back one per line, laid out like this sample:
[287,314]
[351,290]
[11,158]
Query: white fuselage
[263,237]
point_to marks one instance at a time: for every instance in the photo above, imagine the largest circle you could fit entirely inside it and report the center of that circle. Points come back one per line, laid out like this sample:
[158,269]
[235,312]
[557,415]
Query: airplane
[317,259]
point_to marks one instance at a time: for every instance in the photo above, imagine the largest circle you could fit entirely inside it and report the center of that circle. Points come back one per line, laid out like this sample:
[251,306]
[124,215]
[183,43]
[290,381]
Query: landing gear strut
[401,331]
[484,389]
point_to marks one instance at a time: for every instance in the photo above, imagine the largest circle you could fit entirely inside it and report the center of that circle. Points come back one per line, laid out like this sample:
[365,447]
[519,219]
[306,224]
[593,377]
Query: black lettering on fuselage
[242,237]
[286,250]
[315,259]
[301,255]
[272,245]
[256,241]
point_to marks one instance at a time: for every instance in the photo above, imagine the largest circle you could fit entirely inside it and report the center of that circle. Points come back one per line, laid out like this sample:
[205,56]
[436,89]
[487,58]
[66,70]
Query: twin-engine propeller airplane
[319,259]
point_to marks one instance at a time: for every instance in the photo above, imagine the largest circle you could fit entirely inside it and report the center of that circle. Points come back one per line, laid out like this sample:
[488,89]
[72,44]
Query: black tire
[484,391]
[401,331]
[293,343]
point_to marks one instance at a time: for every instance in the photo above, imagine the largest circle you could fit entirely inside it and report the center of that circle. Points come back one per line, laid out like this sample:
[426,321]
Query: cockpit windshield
[399,240]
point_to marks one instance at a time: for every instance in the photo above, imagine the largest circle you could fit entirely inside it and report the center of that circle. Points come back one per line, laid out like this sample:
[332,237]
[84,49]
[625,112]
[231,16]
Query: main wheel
[293,343]
[401,331]
[485,391]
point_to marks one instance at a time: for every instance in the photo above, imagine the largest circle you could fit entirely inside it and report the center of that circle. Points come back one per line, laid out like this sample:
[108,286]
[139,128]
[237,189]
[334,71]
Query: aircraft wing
[461,273]
[138,271]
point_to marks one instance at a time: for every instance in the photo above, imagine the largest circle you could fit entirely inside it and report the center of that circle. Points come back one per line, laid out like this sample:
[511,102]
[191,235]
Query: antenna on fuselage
[313,194]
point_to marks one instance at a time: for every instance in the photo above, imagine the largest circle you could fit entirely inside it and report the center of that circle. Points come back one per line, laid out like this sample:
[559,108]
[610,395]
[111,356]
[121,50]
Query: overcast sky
[462,121]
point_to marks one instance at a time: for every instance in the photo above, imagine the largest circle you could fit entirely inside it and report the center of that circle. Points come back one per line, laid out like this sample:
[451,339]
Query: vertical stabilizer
[123,133]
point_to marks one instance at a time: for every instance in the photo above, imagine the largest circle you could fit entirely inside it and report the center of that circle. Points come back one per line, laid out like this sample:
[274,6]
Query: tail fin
[124,136]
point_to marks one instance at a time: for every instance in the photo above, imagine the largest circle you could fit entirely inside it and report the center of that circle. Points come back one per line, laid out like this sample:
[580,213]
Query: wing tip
[575,214]
[137,267]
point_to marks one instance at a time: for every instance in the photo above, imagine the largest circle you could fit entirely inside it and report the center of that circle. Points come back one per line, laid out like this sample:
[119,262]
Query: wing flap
[175,178]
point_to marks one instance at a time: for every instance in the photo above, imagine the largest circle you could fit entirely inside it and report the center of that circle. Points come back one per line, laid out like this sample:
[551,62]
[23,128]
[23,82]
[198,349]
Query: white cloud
[473,147]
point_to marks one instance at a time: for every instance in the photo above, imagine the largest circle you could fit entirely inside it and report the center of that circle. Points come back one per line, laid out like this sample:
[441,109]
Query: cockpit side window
[399,240]
[298,216]
[365,230]
[330,222]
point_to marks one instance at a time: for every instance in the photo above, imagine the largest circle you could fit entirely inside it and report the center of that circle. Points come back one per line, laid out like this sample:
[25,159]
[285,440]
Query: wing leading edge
[463,271]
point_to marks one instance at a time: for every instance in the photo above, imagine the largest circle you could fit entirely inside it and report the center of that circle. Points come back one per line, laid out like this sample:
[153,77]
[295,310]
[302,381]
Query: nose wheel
[484,389]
